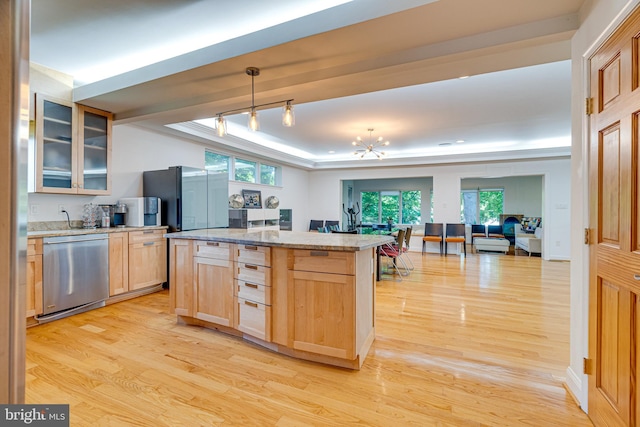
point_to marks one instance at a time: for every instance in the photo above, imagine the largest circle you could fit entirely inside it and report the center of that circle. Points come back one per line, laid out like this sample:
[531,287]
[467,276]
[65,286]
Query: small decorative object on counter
[272,202]
[89,215]
[236,201]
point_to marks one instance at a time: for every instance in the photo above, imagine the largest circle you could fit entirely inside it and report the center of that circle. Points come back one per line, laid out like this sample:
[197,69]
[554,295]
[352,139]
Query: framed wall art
[252,199]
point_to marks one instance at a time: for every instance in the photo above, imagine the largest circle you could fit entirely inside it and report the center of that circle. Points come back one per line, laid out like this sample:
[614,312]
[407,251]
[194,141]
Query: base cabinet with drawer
[213,277]
[34,277]
[147,258]
[310,304]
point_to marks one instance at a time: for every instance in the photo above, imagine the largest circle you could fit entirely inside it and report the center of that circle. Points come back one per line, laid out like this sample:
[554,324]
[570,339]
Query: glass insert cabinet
[72,148]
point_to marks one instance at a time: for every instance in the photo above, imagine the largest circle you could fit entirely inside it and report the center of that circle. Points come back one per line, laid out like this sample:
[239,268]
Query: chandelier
[288,118]
[369,146]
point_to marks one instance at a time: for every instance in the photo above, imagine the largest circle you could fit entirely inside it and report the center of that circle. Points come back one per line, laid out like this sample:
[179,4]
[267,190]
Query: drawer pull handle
[213,244]
[251,248]
[147,232]
[251,304]
[148,243]
[251,285]
[251,267]
[319,253]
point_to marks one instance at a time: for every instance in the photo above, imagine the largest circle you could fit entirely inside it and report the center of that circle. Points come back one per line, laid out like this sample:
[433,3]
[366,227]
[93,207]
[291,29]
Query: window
[216,162]
[402,207]
[268,174]
[243,170]
[370,207]
[481,206]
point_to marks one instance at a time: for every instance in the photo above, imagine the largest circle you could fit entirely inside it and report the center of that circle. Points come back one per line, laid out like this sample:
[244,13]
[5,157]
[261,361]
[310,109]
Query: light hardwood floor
[460,342]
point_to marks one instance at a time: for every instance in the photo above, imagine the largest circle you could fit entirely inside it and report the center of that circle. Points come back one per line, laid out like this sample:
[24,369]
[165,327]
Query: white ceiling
[390,66]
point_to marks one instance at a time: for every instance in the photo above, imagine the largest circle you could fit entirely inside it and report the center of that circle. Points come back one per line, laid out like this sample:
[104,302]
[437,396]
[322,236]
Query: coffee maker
[117,214]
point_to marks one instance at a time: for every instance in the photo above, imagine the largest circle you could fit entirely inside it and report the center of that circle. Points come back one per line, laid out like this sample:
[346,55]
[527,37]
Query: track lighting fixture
[288,118]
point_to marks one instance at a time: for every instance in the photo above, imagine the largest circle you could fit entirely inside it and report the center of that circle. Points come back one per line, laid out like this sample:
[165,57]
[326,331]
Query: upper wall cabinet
[72,148]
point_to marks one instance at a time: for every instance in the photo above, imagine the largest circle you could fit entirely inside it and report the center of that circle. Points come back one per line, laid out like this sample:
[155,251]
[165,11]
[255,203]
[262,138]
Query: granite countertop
[80,231]
[288,239]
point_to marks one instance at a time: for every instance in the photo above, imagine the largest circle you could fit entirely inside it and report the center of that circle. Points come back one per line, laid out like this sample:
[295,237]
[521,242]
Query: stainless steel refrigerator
[191,198]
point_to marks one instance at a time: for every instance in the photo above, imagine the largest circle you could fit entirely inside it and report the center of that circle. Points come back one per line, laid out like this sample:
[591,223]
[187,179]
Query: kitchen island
[307,295]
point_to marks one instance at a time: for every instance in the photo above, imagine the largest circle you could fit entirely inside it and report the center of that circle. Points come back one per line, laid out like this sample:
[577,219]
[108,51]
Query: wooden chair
[433,232]
[496,232]
[478,230]
[455,233]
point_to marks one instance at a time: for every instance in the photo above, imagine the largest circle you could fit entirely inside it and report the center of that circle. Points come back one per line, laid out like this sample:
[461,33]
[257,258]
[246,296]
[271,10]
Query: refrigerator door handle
[179,214]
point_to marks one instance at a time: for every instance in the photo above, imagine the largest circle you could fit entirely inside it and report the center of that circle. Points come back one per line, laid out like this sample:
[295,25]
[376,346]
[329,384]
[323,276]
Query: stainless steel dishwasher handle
[74,241]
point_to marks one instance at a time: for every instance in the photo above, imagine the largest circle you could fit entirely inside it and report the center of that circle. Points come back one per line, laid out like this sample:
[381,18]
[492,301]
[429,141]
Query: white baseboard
[578,387]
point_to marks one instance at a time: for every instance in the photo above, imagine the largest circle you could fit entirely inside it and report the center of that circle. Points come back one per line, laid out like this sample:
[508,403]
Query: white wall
[599,18]
[556,191]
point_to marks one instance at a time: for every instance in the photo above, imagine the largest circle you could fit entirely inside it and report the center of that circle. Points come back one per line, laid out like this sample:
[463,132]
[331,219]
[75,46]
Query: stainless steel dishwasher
[75,274]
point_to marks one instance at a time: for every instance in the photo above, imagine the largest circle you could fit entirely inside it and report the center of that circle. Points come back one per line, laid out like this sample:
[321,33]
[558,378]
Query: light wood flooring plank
[475,341]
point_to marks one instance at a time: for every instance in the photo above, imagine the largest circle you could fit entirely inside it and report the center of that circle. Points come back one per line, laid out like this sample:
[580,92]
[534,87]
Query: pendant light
[288,118]
[253,123]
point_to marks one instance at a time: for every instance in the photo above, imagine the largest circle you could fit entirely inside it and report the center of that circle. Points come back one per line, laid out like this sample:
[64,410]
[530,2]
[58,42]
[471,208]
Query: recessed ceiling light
[463,77]
[332,152]
[444,144]
[460,141]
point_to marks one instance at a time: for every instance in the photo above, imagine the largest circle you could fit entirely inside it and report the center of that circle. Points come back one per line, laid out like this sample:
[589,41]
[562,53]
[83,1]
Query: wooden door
[214,288]
[324,313]
[614,278]
[147,263]
[181,286]
[118,263]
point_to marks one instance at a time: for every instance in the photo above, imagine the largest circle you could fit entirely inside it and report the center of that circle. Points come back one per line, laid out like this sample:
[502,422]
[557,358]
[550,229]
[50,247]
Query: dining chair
[455,233]
[394,252]
[478,230]
[332,225]
[432,233]
[407,244]
[315,224]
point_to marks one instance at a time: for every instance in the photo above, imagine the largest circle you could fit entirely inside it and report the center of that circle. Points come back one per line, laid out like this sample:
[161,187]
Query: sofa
[532,243]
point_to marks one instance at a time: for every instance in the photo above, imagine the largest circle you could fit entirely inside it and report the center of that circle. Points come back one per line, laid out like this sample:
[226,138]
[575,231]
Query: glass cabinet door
[57,145]
[94,129]
[72,148]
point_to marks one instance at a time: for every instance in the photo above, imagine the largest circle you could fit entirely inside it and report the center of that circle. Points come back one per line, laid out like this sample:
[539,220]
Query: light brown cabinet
[322,284]
[34,277]
[213,278]
[72,148]
[181,284]
[147,258]
[118,263]
[311,304]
